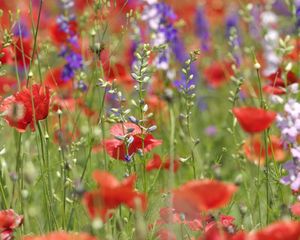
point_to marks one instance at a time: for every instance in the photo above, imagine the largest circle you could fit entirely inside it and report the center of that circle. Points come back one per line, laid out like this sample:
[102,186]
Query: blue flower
[74,60]
[67,72]
[202,29]
[20,29]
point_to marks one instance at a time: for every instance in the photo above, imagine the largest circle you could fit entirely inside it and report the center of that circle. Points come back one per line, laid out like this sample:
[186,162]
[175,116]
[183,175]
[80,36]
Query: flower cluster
[9,220]
[160,16]
[202,29]
[289,124]
[233,35]
[66,28]
[271,41]
[111,194]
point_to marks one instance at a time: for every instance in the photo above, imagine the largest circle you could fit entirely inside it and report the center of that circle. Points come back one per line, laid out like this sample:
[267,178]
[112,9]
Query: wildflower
[234,37]
[117,148]
[202,29]
[295,209]
[156,163]
[64,32]
[119,74]
[111,194]
[22,108]
[61,236]
[276,85]
[254,120]
[159,17]
[202,195]
[255,151]
[211,131]
[7,84]
[9,220]
[289,123]
[218,73]
[55,80]
[293,177]
[281,230]
[23,51]
[271,41]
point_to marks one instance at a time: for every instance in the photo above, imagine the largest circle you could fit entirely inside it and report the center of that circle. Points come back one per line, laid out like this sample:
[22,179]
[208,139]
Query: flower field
[149,120]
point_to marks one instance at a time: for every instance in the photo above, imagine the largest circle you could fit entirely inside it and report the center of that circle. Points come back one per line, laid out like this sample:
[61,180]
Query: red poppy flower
[294,55]
[86,109]
[205,195]
[120,75]
[23,51]
[218,73]
[277,85]
[255,151]
[54,80]
[6,56]
[155,103]
[254,120]
[168,215]
[156,163]
[9,220]
[121,129]
[215,232]
[282,230]
[295,209]
[62,236]
[17,109]
[6,84]
[165,234]
[112,193]
[117,149]
[274,90]
[66,104]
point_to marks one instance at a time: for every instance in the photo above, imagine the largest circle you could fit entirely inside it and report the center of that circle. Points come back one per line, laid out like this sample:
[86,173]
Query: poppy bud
[257,65]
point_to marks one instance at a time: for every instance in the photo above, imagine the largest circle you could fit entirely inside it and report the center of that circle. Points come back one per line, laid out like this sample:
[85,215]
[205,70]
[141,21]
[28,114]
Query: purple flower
[74,60]
[233,35]
[81,86]
[210,131]
[293,177]
[159,17]
[289,123]
[67,72]
[20,29]
[202,29]
[201,103]
[297,3]
[280,7]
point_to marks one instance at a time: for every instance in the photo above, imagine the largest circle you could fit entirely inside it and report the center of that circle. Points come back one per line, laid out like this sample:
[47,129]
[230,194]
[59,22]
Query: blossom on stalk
[128,140]
[254,120]
[202,195]
[289,125]
[64,32]
[111,193]
[61,236]
[9,220]
[234,37]
[159,17]
[271,41]
[25,107]
[202,29]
